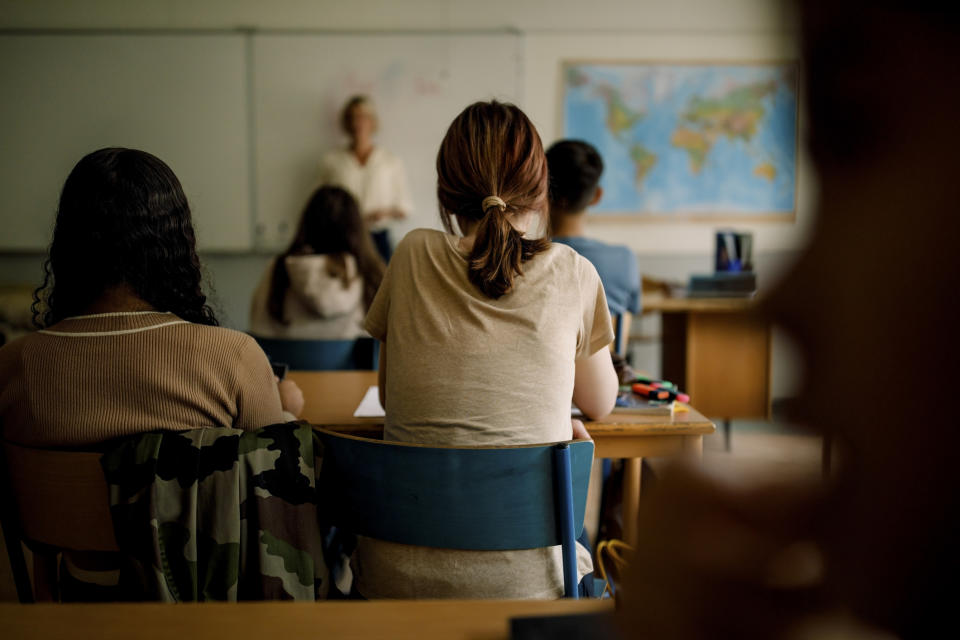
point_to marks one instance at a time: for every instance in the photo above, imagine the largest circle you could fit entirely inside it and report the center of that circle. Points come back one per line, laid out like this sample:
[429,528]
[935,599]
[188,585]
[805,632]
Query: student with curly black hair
[127,341]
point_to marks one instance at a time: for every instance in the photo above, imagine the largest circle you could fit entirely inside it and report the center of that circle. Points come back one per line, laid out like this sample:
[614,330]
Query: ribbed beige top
[92,378]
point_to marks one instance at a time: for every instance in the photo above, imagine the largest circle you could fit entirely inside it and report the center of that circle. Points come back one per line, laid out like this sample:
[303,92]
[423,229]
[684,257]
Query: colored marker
[650,393]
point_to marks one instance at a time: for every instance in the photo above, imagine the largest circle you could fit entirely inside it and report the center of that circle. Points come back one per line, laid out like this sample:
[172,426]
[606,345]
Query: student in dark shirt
[575,168]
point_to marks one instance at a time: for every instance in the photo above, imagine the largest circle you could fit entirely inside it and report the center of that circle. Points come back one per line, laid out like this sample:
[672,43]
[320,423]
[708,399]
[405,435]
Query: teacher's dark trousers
[381,240]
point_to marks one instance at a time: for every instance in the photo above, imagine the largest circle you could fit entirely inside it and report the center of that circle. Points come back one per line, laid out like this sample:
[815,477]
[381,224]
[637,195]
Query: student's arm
[291,397]
[595,385]
[258,398]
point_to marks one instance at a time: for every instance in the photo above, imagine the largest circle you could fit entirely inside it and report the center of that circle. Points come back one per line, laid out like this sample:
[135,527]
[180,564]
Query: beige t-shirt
[467,370]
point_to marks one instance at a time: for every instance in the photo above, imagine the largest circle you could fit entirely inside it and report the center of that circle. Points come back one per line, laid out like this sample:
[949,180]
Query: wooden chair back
[484,498]
[53,500]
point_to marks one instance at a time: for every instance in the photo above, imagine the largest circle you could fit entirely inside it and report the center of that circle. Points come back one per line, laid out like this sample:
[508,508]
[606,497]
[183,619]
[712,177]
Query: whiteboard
[418,83]
[181,97]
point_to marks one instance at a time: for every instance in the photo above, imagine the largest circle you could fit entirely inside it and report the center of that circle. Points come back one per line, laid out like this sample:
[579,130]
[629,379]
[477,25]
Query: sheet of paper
[370,405]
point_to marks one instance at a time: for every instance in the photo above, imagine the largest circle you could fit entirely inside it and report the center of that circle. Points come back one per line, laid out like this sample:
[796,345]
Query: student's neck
[571,226]
[118,298]
[361,150]
[465,242]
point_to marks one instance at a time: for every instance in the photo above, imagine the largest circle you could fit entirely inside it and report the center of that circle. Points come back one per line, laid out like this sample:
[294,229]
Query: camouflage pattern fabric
[218,514]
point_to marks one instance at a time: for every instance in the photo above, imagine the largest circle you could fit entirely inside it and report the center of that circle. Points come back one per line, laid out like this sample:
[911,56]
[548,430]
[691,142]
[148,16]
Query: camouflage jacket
[218,514]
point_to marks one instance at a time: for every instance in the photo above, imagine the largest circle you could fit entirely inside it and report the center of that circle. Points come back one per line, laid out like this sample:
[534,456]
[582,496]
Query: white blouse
[380,183]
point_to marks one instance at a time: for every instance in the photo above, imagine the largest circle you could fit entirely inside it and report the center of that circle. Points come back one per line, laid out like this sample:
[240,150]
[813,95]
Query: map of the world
[676,139]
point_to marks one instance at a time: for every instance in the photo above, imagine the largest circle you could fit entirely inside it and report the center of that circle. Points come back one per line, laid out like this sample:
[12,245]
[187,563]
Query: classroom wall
[552,30]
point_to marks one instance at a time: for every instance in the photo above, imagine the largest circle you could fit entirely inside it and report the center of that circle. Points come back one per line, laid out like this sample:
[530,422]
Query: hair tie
[493,201]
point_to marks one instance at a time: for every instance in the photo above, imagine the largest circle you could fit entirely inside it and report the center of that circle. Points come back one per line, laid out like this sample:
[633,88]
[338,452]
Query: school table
[332,396]
[399,619]
[719,351]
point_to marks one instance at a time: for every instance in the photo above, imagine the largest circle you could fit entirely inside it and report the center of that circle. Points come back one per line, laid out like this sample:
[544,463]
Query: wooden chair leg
[45,583]
[18,565]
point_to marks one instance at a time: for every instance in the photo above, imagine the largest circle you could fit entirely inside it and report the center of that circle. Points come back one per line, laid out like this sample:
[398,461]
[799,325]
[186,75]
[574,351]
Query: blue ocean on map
[683,139]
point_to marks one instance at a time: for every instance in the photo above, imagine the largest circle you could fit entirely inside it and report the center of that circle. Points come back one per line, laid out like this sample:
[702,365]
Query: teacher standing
[374,176]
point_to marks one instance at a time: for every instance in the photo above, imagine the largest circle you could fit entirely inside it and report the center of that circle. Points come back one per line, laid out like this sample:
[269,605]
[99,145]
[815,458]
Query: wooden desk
[719,351]
[333,396]
[421,620]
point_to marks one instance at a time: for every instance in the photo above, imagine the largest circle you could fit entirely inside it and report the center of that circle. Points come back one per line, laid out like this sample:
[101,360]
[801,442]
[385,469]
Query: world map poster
[688,140]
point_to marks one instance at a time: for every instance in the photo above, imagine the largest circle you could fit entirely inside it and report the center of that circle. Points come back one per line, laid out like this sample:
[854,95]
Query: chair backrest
[58,498]
[321,355]
[51,501]
[621,333]
[490,498]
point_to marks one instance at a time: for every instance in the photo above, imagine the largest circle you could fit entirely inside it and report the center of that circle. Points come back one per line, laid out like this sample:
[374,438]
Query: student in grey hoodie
[321,286]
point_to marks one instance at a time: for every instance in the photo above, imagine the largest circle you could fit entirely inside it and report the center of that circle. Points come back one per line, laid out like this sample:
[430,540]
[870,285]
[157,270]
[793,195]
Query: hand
[291,397]
[579,431]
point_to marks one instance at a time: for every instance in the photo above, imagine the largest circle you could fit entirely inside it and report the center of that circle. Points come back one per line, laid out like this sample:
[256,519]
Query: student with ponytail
[487,335]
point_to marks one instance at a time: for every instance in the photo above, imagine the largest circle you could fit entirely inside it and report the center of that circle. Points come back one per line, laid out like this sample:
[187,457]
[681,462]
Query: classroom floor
[758,449]
[772,450]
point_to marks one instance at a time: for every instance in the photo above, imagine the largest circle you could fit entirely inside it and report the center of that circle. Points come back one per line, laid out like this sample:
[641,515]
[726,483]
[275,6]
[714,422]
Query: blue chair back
[322,355]
[483,498]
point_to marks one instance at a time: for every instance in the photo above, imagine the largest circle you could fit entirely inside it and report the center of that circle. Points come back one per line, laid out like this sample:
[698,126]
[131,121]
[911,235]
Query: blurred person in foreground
[877,541]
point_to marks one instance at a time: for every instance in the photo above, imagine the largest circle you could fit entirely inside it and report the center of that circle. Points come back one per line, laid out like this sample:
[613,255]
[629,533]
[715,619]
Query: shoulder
[564,257]
[337,153]
[387,157]
[598,252]
[622,251]
[334,158]
[419,239]
[619,253]
[217,342]
[580,266]
[11,354]
[563,263]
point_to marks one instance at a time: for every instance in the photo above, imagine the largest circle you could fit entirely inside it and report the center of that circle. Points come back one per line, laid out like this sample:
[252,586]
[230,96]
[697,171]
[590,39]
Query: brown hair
[346,113]
[329,225]
[492,149]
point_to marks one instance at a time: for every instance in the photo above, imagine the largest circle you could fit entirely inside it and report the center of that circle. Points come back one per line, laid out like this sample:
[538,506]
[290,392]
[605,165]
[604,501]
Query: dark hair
[492,149]
[329,225]
[346,113]
[122,219]
[575,168]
